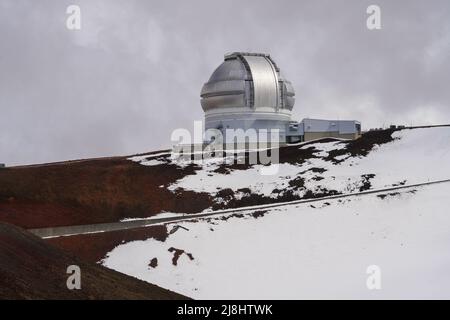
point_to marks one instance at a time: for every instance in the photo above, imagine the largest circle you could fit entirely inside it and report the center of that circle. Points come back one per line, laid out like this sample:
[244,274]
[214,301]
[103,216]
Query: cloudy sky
[133,73]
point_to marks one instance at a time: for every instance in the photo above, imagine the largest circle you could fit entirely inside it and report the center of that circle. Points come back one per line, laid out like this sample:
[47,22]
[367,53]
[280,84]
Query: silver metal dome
[247,91]
[247,80]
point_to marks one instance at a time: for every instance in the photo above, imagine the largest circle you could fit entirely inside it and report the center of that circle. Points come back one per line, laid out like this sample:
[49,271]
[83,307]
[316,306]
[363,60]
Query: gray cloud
[133,73]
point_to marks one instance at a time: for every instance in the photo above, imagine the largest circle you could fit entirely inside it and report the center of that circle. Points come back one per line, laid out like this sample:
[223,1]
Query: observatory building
[248,91]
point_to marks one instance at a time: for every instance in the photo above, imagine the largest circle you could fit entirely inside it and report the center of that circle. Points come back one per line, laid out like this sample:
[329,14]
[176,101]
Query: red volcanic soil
[92,191]
[93,247]
[30,268]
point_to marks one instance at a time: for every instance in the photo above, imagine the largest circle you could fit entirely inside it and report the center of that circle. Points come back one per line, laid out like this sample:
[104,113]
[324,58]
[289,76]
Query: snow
[150,159]
[161,215]
[416,156]
[324,148]
[207,181]
[301,252]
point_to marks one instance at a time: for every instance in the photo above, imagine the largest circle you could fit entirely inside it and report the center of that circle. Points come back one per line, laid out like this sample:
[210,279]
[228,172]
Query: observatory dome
[247,91]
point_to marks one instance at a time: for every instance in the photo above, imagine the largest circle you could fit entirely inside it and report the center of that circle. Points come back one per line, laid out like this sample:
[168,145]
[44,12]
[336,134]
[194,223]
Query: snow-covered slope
[301,252]
[414,156]
[319,250]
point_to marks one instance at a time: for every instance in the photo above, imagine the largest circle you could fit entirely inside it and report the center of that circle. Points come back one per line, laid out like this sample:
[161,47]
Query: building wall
[321,125]
[289,131]
[330,134]
[248,123]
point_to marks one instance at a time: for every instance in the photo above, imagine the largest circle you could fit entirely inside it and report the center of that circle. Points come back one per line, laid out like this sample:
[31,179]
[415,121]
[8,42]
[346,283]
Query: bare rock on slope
[33,269]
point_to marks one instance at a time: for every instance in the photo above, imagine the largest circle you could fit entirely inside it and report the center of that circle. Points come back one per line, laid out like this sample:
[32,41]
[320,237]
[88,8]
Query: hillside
[114,189]
[90,191]
[33,269]
[309,250]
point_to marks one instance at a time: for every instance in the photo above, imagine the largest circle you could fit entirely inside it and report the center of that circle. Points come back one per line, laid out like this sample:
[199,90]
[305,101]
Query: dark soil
[93,191]
[401,183]
[297,183]
[366,184]
[31,268]
[93,247]
[385,195]
[316,170]
[394,194]
[259,213]
[235,215]
[177,253]
[363,145]
[153,263]
[283,196]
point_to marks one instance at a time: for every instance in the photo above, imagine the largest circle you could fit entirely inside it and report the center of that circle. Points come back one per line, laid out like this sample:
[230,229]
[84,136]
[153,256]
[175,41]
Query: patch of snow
[208,181]
[323,148]
[343,157]
[149,159]
[157,216]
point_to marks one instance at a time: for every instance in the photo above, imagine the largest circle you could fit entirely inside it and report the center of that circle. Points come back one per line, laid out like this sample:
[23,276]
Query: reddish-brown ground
[92,191]
[30,268]
[94,247]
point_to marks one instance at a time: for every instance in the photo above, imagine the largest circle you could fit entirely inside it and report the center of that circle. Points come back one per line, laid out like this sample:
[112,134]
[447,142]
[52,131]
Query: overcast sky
[134,71]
